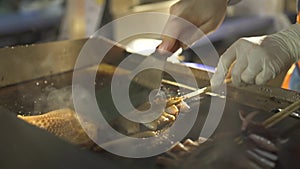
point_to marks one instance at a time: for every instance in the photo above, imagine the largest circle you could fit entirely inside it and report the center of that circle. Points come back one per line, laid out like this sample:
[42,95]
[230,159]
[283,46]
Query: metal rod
[281,115]
[196,92]
[206,90]
[178,84]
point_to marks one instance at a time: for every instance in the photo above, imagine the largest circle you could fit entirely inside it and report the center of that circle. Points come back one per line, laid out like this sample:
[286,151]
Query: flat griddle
[26,72]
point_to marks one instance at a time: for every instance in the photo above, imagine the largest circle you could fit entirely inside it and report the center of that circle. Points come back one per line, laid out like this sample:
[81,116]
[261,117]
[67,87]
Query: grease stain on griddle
[274,99]
[2,78]
[262,100]
[295,97]
[265,90]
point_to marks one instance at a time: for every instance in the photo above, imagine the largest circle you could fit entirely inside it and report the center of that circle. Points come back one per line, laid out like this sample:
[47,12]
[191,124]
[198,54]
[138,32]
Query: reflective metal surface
[51,66]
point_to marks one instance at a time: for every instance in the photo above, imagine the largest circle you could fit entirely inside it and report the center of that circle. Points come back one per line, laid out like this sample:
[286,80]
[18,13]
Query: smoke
[54,99]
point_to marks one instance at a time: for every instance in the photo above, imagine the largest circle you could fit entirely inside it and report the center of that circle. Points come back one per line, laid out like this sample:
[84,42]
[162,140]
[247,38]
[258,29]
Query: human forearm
[259,59]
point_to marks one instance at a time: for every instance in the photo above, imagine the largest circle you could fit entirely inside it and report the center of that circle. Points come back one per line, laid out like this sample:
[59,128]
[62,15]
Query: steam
[54,99]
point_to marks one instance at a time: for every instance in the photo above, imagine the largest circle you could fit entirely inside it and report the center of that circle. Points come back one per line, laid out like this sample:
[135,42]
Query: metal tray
[27,82]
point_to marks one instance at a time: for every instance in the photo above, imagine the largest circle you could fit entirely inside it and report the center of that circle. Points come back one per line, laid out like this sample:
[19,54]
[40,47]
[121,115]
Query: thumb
[226,60]
[169,44]
[171,33]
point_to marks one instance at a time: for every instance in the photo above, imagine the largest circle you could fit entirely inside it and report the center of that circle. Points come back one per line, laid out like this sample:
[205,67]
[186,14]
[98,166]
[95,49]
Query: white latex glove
[259,59]
[205,14]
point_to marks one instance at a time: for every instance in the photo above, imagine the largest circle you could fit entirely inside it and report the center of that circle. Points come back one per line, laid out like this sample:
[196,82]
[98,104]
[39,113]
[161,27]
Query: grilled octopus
[257,148]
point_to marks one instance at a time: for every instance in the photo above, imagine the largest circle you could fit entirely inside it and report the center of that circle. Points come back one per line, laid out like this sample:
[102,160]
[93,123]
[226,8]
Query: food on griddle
[257,148]
[265,148]
[126,126]
[174,106]
[259,143]
[63,123]
[178,152]
[167,117]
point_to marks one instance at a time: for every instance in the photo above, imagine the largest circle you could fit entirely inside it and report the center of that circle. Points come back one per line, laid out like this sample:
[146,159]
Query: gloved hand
[259,59]
[205,14]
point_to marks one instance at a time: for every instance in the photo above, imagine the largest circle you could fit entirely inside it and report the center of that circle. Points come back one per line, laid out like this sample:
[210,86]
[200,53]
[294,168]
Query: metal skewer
[195,93]
[276,118]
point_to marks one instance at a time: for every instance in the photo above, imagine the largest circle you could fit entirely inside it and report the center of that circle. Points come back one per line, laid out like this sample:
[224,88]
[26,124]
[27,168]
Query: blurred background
[36,21]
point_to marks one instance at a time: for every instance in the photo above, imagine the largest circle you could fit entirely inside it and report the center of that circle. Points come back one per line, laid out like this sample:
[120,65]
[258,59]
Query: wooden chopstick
[281,115]
[276,118]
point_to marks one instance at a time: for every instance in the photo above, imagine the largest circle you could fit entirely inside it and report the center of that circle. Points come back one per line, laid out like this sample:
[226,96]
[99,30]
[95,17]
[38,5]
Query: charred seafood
[256,148]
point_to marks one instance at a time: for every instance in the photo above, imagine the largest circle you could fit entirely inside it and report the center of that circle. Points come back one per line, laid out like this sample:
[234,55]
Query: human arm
[259,59]
[207,15]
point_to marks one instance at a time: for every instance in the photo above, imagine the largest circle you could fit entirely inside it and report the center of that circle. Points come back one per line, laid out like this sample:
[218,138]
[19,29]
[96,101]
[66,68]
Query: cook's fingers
[209,25]
[254,65]
[182,27]
[250,73]
[171,32]
[264,76]
[169,44]
[191,33]
[238,68]
[223,66]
